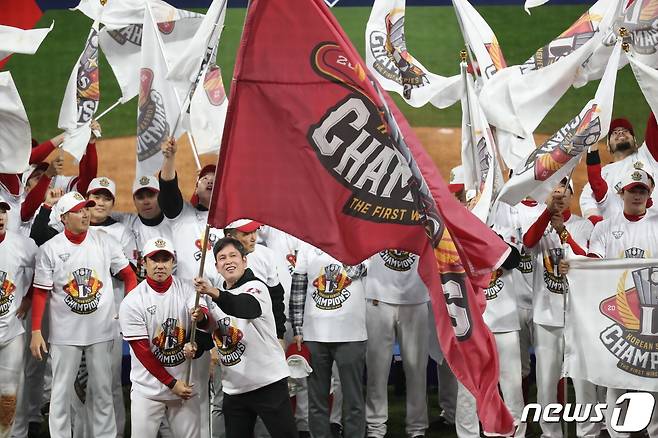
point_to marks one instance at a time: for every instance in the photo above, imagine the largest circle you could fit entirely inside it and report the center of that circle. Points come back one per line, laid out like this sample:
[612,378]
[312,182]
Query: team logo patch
[331,288]
[7,296]
[525,266]
[64,257]
[169,341]
[104,182]
[634,253]
[495,285]
[88,88]
[400,261]
[214,87]
[152,126]
[144,180]
[78,197]
[228,339]
[130,34]
[553,281]
[159,243]
[352,144]
[151,309]
[633,337]
[392,60]
[617,234]
[638,165]
[83,291]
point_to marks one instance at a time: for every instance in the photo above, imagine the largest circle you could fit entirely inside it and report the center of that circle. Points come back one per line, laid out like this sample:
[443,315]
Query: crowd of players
[284,333]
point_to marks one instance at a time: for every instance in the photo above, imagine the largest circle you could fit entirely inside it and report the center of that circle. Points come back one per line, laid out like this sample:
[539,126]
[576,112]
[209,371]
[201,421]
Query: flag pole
[473,144]
[202,262]
[110,108]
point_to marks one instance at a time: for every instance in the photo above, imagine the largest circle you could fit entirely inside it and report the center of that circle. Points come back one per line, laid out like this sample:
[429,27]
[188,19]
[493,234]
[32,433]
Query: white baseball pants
[586,392]
[203,367]
[65,363]
[11,368]
[146,415]
[408,323]
[549,351]
[526,339]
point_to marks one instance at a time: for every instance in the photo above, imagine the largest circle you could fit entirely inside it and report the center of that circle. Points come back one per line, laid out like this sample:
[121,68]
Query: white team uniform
[617,237]
[14,201]
[548,312]
[16,270]
[81,318]
[396,307]
[164,320]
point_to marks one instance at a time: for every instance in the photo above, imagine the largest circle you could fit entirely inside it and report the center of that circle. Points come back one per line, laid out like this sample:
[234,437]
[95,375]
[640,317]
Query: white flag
[208,112]
[533,4]
[555,159]
[158,106]
[116,14]
[15,40]
[15,133]
[610,331]
[481,170]
[394,67]
[122,47]
[81,98]
[647,79]
[518,98]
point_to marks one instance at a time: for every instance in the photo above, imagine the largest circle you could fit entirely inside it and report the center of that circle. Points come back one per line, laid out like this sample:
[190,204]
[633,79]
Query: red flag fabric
[314,147]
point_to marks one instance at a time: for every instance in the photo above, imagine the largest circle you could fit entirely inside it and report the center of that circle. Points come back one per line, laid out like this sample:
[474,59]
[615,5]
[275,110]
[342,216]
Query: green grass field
[432,36]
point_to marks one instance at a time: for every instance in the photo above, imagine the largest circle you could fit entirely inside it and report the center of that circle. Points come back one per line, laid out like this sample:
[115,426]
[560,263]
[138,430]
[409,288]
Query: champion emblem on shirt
[83,291]
[169,342]
[64,257]
[396,260]
[495,285]
[525,266]
[554,282]
[227,337]
[617,234]
[330,288]
[634,253]
[7,289]
[633,309]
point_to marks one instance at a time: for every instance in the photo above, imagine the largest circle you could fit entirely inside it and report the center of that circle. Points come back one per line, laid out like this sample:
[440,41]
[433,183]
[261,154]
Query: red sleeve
[11,181]
[39,299]
[651,136]
[594,219]
[143,352]
[34,198]
[575,247]
[129,279]
[88,168]
[41,152]
[534,233]
[592,255]
[203,324]
[599,186]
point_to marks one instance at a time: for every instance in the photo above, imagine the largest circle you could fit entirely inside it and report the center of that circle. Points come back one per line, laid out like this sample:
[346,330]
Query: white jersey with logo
[549,286]
[163,319]
[80,278]
[617,237]
[335,307]
[16,270]
[393,278]
[14,213]
[249,352]
[285,248]
[187,236]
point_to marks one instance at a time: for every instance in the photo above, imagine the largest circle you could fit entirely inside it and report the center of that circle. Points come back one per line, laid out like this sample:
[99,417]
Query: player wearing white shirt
[155,320]
[396,308]
[16,270]
[246,338]
[77,267]
[549,289]
[327,310]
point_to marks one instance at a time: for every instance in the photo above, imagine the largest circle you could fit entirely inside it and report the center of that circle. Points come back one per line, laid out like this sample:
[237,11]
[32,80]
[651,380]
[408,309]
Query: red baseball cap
[244,225]
[621,123]
[208,168]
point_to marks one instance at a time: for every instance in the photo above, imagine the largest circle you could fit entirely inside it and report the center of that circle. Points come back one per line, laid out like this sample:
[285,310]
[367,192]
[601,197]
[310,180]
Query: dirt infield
[116,158]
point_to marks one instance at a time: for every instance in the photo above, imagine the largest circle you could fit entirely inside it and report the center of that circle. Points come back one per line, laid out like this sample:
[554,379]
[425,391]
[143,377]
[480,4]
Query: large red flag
[314,147]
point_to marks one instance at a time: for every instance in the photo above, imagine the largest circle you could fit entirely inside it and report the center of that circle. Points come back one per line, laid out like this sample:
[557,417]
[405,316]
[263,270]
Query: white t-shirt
[14,201]
[549,286]
[187,236]
[80,278]
[393,278]
[335,307]
[163,319]
[16,270]
[262,263]
[250,355]
[617,237]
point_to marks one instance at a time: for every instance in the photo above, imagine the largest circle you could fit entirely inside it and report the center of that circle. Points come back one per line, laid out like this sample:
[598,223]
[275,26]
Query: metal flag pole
[110,108]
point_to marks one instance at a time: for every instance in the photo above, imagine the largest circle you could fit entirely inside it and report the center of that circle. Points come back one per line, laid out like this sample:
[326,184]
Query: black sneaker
[336,430]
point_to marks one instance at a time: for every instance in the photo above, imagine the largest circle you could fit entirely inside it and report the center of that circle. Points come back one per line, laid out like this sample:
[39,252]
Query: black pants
[271,403]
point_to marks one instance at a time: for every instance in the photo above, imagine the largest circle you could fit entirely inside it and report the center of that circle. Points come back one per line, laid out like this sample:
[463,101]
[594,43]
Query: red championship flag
[314,147]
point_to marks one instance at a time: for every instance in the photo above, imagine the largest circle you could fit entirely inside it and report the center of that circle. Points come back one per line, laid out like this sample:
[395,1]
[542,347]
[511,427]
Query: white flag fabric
[394,67]
[15,40]
[122,47]
[480,39]
[481,170]
[116,14]
[555,159]
[518,98]
[611,336]
[81,98]
[208,112]
[15,132]
[647,79]
[158,106]
[533,4]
